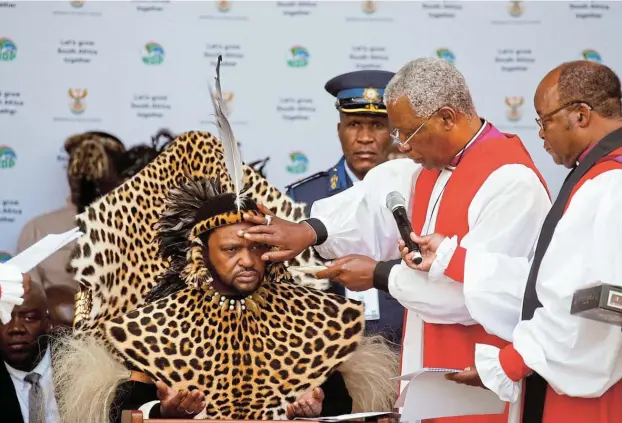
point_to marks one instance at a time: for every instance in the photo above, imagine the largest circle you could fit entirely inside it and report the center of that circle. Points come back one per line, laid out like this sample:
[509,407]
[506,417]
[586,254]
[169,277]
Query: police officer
[364,133]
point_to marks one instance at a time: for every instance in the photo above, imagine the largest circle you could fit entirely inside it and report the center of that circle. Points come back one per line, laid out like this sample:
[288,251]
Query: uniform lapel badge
[333,181]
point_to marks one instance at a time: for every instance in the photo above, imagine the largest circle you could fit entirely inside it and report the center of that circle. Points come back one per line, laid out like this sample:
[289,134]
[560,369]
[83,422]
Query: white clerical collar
[41,368]
[351,174]
[475,137]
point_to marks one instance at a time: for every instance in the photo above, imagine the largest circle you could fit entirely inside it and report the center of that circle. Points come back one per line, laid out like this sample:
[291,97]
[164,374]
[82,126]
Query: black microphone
[397,205]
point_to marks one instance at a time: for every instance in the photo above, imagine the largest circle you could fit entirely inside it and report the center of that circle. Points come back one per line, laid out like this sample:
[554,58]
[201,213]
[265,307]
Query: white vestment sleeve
[505,217]
[435,301]
[357,220]
[492,375]
[576,356]
[493,288]
[489,369]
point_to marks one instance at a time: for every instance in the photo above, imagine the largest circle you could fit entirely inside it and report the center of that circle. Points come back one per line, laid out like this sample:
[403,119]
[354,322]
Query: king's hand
[308,405]
[174,404]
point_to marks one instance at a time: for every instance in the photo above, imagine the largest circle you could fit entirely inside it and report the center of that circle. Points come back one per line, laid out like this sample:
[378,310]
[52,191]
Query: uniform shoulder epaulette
[308,178]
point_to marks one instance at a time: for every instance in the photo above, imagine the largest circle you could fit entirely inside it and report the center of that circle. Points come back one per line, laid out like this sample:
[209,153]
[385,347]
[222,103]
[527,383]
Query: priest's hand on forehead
[290,238]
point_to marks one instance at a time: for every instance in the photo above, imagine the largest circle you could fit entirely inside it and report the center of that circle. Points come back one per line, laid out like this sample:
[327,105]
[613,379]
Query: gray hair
[430,84]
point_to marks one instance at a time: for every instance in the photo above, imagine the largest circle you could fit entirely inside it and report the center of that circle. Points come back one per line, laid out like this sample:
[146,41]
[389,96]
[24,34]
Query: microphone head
[394,200]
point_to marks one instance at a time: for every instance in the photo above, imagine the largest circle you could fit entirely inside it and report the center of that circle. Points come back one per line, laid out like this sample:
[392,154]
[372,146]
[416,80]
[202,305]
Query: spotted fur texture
[249,365]
[117,261]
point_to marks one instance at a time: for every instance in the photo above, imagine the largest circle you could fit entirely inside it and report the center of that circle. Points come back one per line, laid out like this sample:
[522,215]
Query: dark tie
[535,385]
[35,399]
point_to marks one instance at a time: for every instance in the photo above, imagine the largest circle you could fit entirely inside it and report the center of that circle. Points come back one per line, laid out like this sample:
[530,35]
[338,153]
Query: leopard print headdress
[192,210]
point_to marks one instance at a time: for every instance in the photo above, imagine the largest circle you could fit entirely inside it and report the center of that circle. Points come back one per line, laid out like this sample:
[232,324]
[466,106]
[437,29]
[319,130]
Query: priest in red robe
[463,178]
[571,367]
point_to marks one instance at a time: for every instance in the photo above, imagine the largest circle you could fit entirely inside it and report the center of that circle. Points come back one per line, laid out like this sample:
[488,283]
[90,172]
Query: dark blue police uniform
[357,92]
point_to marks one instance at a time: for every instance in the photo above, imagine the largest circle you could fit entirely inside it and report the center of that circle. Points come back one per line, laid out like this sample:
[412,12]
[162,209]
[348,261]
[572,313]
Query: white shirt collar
[43,366]
[351,174]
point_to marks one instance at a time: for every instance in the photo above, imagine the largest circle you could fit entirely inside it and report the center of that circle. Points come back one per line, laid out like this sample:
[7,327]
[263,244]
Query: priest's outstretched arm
[354,221]
[504,218]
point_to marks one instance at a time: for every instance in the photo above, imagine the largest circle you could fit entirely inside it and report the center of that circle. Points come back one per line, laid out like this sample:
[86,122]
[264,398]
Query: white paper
[370,299]
[429,395]
[11,271]
[344,417]
[36,253]
[11,291]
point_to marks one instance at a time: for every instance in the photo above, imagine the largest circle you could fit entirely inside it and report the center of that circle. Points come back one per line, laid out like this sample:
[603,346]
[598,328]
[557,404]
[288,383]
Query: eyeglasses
[542,120]
[395,134]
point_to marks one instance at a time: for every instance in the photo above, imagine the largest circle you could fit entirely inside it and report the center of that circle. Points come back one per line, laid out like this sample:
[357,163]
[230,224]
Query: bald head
[578,103]
[597,84]
[589,82]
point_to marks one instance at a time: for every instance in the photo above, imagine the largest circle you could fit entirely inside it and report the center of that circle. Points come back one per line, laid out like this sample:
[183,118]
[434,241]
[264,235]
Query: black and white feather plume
[233,158]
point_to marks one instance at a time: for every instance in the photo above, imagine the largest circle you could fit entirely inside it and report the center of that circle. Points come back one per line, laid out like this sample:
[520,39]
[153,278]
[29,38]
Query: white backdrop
[132,67]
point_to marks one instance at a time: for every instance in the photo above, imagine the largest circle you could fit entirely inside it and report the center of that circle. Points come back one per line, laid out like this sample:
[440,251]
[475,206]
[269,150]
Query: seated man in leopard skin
[223,335]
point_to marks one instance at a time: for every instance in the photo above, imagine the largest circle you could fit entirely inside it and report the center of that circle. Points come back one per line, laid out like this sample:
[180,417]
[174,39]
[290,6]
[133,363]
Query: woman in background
[98,163]
[96,160]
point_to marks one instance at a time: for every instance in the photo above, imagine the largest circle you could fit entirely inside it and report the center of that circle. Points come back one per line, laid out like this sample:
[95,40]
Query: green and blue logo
[447,55]
[4,257]
[299,57]
[153,54]
[8,158]
[299,164]
[8,50]
[592,56]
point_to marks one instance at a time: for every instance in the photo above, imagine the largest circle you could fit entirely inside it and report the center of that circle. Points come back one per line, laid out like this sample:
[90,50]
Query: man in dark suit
[26,387]
[363,130]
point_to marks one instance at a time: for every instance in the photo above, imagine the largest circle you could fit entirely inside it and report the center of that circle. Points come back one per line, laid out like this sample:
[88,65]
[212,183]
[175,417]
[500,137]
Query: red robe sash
[453,346]
[562,408]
